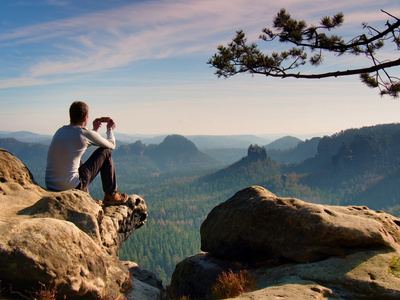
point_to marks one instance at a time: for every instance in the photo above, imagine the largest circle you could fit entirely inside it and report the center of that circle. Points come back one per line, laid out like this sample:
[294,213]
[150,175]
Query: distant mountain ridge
[295,154]
[206,142]
[26,136]
[353,167]
[283,143]
[224,148]
[175,153]
[250,169]
[358,163]
[178,153]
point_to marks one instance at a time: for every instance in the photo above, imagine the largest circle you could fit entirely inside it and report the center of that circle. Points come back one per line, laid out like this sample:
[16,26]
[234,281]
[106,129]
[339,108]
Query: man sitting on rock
[64,165]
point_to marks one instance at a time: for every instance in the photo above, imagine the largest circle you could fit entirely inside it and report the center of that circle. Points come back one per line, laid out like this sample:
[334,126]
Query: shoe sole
[105,202]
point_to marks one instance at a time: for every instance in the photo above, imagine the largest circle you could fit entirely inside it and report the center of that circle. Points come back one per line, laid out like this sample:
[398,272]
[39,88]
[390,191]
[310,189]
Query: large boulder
[63,240]
[294,250]
[256,225]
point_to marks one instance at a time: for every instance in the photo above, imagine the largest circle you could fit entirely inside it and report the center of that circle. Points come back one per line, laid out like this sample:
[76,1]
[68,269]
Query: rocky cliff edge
[65,241]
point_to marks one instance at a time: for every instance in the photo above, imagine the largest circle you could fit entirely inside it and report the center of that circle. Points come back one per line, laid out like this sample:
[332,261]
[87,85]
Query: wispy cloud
[147,30]
[19,82]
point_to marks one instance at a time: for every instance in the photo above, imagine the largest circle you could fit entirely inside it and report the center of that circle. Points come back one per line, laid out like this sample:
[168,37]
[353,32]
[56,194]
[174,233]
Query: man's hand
[97,124]
[111,124]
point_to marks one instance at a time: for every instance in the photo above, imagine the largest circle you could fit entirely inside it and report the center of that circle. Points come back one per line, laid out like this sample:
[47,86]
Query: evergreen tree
[310,45]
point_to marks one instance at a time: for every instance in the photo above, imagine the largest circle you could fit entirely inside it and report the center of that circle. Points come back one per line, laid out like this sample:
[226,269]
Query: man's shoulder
[70,127]
[67,131]
[88,132]
[91,135]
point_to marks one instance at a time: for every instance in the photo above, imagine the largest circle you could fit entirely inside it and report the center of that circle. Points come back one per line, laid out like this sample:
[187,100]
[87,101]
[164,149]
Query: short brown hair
[78,111]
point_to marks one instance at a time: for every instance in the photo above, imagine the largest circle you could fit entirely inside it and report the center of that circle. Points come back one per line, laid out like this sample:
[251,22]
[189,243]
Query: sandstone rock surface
[61,239]
[294,250]
[146,284]
[254,224]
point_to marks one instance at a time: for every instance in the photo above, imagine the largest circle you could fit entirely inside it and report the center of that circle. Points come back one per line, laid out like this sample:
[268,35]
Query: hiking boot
[115,199]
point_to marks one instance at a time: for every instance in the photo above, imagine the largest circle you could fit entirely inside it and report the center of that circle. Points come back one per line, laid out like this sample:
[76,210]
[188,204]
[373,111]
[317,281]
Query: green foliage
[161,244]
[369,80]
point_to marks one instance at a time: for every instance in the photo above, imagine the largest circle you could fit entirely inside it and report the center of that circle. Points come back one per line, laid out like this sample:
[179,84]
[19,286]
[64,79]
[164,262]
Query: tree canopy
[310,44]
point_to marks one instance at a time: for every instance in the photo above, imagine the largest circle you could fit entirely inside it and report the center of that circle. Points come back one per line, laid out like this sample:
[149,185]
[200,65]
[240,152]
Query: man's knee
[107,152]
[104,151]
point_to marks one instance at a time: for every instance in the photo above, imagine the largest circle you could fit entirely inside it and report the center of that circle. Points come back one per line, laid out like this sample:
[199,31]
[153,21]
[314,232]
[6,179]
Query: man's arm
[94,138]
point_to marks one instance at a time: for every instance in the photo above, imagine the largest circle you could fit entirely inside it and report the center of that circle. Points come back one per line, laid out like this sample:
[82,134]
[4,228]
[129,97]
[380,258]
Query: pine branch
[371,69]
[239,57]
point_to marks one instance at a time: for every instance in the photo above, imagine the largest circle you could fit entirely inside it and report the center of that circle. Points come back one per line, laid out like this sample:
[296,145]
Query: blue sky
[144,63]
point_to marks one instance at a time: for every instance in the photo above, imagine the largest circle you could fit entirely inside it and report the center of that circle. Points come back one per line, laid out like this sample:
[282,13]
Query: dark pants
[100,161]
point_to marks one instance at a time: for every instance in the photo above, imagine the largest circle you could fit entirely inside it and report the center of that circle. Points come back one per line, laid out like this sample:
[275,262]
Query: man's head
[78,112]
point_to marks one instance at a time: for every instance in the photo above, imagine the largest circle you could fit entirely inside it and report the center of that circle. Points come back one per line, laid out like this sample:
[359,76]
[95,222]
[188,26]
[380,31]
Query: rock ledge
[62,239]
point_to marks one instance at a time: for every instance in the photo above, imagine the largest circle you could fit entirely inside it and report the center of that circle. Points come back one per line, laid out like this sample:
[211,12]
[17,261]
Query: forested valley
[180,184]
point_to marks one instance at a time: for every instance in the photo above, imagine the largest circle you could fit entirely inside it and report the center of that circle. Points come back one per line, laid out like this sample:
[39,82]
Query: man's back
[64,156]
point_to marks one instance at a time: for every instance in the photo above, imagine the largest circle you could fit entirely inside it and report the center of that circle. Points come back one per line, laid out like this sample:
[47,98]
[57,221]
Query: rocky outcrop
[63,240]
[256,225]
[294,249]
[147,286]
[255,152]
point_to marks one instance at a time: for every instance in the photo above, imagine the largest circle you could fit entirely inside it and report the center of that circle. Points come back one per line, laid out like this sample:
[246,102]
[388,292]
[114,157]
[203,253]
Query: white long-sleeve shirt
[65,152]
